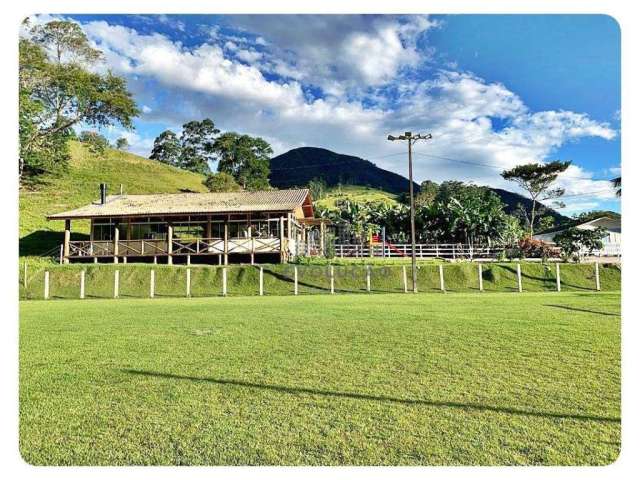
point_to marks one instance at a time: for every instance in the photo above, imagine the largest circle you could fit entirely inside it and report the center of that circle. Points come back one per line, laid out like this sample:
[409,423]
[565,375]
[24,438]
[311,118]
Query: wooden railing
[179,247]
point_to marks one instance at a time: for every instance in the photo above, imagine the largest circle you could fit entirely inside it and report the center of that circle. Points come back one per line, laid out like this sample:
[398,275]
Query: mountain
[297,167]
[79,186]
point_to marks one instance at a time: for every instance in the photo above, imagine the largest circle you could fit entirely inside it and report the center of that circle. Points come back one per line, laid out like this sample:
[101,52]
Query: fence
[146,281]
[423,250]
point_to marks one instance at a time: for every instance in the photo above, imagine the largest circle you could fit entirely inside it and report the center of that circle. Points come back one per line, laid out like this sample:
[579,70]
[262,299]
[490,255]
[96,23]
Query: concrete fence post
[188,282]
[404,278]
[261,281]
[519,272]
[295,280]
[441,271]
[224,281]
[558,287]
[368,278]
[188,259]
[152,284]
[332,279]
[46,285]
[480,286]
[116,284]
[81,284]
[597,264]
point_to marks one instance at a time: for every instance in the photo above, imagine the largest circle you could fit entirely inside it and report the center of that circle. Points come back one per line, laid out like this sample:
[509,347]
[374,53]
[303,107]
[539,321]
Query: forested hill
[297,167]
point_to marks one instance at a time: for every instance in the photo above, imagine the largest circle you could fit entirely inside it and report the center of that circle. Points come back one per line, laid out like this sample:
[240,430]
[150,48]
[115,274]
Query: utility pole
[411,139]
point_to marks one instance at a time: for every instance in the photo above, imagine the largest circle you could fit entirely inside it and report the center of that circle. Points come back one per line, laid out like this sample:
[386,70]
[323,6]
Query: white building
[611,240]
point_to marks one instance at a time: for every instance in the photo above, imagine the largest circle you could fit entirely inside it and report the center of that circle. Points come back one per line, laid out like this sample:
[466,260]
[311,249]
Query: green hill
[80,185]
[355,193]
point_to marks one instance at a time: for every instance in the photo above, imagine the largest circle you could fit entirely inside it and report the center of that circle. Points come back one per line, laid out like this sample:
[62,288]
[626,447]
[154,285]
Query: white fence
[423,250]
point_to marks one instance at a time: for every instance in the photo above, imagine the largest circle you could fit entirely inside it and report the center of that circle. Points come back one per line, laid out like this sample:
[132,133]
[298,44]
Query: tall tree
[167,148]
[536,180]
[59,88]
[244,157]
[197,145]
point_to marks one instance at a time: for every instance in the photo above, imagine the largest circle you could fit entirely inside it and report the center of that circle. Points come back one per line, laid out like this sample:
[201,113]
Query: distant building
[611,240]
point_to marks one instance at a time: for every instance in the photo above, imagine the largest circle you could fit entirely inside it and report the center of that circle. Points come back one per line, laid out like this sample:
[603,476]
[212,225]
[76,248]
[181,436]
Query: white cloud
[478,127]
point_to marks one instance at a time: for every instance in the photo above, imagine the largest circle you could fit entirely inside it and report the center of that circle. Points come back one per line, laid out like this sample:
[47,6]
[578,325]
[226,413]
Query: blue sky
[494,90]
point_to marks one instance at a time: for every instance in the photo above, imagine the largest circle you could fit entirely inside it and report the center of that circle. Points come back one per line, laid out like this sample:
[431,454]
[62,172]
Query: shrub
[572,240]
[532,248]
[94,141]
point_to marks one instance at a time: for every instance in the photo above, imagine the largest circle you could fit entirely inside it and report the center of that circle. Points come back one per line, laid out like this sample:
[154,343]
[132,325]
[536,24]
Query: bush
[94,141]
[532,248]
[573,240]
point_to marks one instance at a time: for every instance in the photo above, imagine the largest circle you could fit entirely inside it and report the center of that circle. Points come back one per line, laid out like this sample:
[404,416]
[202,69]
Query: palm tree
[617,184]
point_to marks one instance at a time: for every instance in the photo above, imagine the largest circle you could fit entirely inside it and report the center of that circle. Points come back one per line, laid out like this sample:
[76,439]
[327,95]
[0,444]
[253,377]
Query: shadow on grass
[545,280]
[565,307]
[379,398]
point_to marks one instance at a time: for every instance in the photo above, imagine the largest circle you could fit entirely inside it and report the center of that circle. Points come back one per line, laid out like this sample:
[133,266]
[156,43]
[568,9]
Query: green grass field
[494,378]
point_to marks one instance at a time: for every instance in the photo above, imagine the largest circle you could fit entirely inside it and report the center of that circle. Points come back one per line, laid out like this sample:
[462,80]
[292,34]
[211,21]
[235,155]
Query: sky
[494,91]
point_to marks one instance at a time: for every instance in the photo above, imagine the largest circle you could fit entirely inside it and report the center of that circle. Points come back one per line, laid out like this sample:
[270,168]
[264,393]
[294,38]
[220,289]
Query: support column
[169,244]
[282,254]
[322,231]
[67,238]
[226,242]
[116,240]
[208,227]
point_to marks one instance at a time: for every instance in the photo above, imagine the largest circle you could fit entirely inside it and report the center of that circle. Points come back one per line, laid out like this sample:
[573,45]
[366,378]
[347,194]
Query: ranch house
[263,226]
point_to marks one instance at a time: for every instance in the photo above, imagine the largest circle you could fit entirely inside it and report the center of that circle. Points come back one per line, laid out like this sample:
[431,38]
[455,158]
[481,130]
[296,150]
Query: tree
[245,158]
[94,141]
[428,192]
[221,182]
[536,180]
[318,188]
[60,88]
[617,184]
[167,148]
[122,143]
[197,145]
[573,240]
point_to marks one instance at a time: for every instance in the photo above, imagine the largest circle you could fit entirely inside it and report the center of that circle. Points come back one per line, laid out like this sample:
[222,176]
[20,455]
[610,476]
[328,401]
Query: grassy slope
[313,279]
[357,194]
[79,186]
[394,379]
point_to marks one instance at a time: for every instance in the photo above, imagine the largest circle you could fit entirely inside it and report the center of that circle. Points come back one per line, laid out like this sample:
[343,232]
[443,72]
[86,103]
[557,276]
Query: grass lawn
[465,378]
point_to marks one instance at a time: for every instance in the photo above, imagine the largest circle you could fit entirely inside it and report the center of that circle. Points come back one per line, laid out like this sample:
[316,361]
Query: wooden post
[219,259]
[226,243]
[261,281]
[368,278]
[282,254]
[155,259]
[332,279]
[170,244]
[95,259]
[253,250]
[152,284]
[67,237]
[116,284]
[597,276]
[558,286]
[116,240]
[62,259]
[224,281]
[480,276]
[295,280]
[519,272]
[188,259]
[46,285]
[404,278]
[322,232]
[124,260]
[441,271]
[24,278]
[188,282]
[81,284]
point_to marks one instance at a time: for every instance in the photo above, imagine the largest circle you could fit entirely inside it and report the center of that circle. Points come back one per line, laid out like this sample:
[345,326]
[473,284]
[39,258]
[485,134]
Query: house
[611,240]
[271,225]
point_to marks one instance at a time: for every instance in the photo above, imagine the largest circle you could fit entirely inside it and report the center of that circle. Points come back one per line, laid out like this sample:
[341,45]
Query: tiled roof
[190,203]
